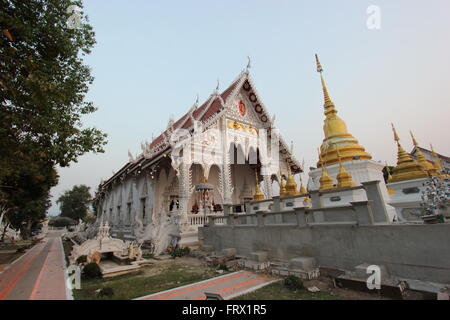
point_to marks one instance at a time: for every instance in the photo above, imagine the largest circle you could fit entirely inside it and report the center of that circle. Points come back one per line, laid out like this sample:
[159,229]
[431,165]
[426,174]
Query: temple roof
[429,152]
[205,114]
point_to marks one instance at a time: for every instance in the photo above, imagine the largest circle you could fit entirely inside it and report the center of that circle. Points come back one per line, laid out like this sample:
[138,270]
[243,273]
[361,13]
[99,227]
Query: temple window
[143,207]
[129,211]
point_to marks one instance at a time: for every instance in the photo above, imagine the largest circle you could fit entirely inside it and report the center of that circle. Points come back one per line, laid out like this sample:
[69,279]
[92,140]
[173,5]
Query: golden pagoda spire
[344,179]
[302,187]
[438,165]
[326,183]
[327,100]
[407,168]
[437,161]
[258,196]
[303,191]
[426,165]
[291,186]
[335,131]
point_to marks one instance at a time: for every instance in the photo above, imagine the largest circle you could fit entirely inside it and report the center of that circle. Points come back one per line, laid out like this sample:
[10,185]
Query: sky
[153,57]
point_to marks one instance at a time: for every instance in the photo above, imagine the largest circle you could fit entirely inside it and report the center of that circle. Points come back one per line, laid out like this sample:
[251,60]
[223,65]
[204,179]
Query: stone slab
[259,256]
[229,252]
[303,263]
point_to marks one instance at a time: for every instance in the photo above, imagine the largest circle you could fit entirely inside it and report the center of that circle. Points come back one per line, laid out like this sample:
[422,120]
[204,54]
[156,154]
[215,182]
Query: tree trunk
[4,233]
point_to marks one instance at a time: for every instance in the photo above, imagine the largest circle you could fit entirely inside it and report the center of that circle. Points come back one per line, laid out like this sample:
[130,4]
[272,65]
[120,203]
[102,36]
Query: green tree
[26,190]
[75,203]
[43,83]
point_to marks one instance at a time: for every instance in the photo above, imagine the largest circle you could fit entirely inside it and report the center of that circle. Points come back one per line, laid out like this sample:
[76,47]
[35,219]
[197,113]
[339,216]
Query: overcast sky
[153,57]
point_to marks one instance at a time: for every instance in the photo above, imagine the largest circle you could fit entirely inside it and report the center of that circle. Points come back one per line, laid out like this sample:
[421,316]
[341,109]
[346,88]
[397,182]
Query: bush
[81,259]
[293,283]
[92,271]
[223,267]
[179,252]
[105,292]
[20,250]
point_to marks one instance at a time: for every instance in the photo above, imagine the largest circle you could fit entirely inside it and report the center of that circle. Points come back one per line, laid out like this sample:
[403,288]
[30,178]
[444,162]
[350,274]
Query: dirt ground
[325,284]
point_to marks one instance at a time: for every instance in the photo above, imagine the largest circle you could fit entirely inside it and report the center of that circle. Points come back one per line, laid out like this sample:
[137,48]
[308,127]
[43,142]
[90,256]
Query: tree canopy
[43,83]
[75,203]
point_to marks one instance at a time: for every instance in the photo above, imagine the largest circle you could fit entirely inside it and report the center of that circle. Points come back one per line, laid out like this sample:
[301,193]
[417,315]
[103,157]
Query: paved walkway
[228,286]
[37,275]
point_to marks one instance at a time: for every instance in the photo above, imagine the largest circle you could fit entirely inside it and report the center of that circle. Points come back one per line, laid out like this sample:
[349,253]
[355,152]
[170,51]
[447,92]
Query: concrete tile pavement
[228,286]
[37,275]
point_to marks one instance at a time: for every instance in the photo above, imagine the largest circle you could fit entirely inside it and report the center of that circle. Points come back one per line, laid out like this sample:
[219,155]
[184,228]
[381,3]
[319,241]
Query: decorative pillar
[227,191]
[135,200]
[268,185]
[184,179]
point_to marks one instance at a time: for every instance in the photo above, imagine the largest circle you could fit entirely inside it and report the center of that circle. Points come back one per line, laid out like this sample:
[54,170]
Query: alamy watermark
[73,281]
[374,19]
[74,21]
[374,279]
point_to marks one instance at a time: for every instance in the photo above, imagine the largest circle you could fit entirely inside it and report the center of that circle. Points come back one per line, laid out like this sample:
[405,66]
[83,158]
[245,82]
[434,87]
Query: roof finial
[328,102]
[414,139]
[319,66]
[217,87]
[248,64]
[396,138]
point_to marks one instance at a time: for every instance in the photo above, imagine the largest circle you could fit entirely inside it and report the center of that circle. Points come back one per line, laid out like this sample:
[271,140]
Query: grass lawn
[150,279]
[9,253]
[277,291]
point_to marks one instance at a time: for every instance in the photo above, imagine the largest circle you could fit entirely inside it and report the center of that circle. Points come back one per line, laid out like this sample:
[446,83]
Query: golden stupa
[336,133]
[326,183]
[302,187]
[426,165]
[344,179]
[407,168]
[258,196]
[437,164]
[282,186]
[291,186]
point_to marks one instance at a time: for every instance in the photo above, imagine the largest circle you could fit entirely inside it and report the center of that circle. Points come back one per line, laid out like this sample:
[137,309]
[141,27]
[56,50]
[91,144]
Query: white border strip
[259,286]
[188,285]
[69,294]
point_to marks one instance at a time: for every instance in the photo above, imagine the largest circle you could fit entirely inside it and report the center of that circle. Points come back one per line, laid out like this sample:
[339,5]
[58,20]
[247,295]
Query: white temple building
[217,153]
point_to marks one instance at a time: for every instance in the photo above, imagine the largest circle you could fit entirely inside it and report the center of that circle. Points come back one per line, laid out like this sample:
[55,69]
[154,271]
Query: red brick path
[37,275]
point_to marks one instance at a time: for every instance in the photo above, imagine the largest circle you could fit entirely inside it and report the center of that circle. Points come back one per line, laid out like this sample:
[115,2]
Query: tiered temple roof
[207,113]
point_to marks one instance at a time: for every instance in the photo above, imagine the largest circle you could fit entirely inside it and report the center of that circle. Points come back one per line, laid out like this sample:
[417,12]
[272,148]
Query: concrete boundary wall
[409,251]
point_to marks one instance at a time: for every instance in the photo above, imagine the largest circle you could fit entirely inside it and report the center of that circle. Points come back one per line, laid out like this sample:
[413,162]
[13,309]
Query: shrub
[92,271]
[179,252]
[81,259]
[223,267]
[20,250]
[105,292]
[293,283]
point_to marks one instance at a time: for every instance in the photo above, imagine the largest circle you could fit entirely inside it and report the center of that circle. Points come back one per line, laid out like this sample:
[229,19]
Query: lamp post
[204,193]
